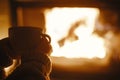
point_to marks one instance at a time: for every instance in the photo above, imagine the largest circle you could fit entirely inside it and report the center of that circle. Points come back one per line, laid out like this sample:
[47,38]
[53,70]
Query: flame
[71,30]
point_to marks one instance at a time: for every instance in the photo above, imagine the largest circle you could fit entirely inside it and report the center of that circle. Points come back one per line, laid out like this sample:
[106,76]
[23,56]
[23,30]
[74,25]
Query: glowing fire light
[71,32]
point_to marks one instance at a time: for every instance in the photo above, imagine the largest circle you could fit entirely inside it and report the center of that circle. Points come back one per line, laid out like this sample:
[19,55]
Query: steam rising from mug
[24,38]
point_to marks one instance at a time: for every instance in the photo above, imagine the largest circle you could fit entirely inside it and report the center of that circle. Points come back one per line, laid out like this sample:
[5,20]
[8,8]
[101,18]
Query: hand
[5,59]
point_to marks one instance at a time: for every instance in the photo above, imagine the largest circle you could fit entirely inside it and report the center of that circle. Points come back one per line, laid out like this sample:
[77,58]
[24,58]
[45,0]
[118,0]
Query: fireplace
[71,30]
[82,43]
[85,42]
[73,39]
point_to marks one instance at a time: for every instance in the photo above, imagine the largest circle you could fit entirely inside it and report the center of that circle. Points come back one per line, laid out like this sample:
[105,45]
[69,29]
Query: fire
[71,30]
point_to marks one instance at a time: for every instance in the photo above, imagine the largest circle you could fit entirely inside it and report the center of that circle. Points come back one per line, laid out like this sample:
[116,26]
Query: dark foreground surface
[66,69]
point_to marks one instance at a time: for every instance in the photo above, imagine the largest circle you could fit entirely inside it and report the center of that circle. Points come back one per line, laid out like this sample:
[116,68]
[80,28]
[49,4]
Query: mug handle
[47,37]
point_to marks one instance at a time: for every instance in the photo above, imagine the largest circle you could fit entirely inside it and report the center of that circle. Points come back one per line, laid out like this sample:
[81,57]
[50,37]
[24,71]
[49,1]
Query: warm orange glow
[71,32]
[8,70]
[3,32]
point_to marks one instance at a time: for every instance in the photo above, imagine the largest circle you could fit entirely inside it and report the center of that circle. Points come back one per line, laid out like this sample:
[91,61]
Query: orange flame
[71,32]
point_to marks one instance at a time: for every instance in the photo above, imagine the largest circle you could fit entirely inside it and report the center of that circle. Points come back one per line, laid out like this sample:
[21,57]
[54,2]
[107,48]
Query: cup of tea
[26,38]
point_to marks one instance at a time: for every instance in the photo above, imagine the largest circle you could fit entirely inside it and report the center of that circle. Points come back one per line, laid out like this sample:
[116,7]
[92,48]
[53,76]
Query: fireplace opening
[71,30]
